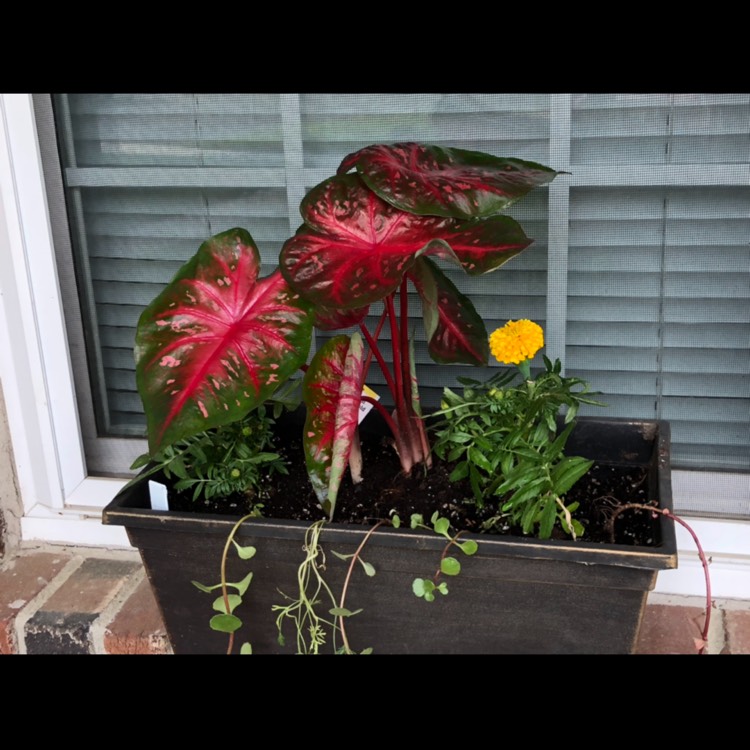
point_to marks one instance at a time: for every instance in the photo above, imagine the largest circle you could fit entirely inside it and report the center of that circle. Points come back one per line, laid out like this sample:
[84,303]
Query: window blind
[646,242]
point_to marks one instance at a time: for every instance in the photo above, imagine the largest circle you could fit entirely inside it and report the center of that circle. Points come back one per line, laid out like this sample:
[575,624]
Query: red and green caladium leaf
[331,320]
[435,181]
[455,331]
[332,390]
[217,341]
[355,248]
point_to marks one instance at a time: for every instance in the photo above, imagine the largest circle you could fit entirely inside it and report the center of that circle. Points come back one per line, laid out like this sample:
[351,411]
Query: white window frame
[61,503]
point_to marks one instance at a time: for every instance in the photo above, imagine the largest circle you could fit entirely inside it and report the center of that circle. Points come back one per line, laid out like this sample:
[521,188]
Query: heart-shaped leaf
[435,181]
[331,319]
[332,391]
[455,331]
[355,248]
[217,341]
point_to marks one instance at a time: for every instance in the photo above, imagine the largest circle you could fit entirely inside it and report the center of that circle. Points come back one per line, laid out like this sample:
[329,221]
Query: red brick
[63,624]
[670,629]
[737,629]
[138,627]
[21,580]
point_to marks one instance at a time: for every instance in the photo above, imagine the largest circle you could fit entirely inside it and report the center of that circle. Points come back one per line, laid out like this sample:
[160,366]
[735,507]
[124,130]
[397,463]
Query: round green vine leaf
[469,547]
[234,601]
[450,566]
[245,553]
[225,623]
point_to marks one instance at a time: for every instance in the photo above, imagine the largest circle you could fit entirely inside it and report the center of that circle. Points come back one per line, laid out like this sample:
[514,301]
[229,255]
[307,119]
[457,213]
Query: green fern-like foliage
[228,460]
[503,437]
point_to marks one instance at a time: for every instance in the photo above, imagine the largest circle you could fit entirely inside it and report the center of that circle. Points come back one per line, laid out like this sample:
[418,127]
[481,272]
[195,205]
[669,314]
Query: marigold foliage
[516,341]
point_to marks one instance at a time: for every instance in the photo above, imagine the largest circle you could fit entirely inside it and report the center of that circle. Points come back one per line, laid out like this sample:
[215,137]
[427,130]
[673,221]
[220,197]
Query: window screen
[640,270]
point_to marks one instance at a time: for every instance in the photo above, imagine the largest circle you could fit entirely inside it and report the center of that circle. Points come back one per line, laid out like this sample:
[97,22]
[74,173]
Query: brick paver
[737,630]
[22,578]
[668,629]
[63,624]
[138,627]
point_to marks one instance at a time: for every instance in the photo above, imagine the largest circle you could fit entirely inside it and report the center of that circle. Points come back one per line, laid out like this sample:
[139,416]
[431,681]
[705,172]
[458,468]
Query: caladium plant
[218,340]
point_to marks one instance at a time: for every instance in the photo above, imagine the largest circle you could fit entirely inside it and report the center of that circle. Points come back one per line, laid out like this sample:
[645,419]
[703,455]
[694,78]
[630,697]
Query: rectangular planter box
[516,595]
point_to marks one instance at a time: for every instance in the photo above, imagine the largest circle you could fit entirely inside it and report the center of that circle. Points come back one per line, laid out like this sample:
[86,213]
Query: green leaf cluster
[227,621]
[502,437]
[233,459]
[425,588]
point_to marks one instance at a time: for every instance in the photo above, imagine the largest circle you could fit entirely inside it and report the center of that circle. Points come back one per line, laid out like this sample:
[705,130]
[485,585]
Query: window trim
[37,376]
[61,502]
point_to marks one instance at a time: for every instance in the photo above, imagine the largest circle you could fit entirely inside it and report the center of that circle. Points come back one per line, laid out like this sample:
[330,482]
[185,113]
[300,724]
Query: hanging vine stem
[445,554]
[224,555]
[349,572]
[701,554]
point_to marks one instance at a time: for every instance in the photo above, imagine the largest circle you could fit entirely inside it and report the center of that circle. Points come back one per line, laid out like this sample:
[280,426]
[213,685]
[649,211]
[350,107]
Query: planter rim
[121,512]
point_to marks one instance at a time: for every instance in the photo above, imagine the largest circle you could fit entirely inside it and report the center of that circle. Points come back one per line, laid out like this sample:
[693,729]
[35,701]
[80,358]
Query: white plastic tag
[158,494]
[365,406]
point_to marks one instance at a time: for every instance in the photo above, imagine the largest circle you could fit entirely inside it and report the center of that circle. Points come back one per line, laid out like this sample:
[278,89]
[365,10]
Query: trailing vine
[702,642]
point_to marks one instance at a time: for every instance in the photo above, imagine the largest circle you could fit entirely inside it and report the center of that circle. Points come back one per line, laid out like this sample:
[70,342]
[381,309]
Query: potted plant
[218,343]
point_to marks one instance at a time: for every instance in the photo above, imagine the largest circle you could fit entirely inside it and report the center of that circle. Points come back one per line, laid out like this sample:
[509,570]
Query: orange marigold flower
[516,341]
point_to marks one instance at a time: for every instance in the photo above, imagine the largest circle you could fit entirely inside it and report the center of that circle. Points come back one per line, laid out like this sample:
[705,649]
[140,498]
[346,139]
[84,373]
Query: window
[640,271]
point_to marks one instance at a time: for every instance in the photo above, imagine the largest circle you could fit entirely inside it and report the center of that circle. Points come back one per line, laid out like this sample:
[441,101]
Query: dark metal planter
[516,595]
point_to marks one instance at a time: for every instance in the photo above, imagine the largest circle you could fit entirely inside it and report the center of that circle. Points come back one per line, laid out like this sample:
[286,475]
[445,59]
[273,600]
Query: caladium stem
[374,349]
[408,432]
[396,353]
[404,300]
[376,336]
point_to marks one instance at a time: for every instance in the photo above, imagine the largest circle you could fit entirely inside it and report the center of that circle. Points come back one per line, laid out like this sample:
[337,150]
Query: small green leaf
[441,525]
[450,566]
[225,623]
[460,472]
[234,601]
[245,553]
[483,443]
[177,465]
[416,520]
[568,472]
[443,588]
[366,651]
[547,520]
[468,381]
[343,612]
[142,460]
[456,453]
[342,557]
[395,521]
[369,569]
[479,459]
[242,585]
[418,586]
[246,649]
[469,547]
[203,587]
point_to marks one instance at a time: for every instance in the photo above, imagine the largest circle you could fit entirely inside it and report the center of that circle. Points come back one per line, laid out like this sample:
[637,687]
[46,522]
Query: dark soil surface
[386,489]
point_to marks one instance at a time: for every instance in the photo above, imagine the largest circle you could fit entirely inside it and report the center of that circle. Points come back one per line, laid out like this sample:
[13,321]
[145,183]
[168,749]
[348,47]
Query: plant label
[158,495]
